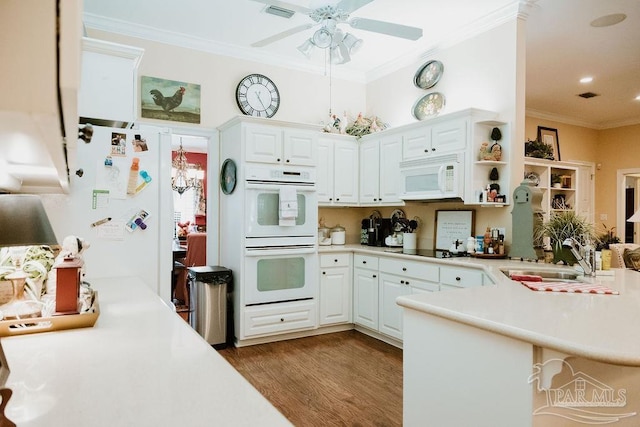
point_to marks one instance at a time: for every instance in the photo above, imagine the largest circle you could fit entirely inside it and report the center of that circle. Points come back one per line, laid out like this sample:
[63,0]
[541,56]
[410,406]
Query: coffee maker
[377,230]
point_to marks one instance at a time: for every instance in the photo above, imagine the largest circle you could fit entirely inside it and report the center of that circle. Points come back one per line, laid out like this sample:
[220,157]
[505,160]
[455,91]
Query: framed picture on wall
[549,136]
[163,99]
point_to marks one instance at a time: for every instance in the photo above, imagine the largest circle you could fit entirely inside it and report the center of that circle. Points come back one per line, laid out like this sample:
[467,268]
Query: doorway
[628,183]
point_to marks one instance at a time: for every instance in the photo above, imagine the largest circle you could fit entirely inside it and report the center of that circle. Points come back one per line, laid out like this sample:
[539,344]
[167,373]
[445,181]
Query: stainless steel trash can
[208,295]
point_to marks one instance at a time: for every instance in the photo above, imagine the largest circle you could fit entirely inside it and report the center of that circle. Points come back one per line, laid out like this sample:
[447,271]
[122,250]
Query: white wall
[484,72]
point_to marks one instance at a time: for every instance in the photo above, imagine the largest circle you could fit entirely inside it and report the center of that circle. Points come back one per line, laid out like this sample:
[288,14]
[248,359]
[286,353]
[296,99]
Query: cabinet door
[390,157]
[324,171]
[416,144]
[390,315]
[449,136]
[369,172]
[299,147]
[345,183]
[365,298]
[334,295]
[264,144]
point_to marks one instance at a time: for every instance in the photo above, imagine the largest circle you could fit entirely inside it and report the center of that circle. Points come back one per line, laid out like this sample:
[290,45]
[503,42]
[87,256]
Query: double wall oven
[280,235]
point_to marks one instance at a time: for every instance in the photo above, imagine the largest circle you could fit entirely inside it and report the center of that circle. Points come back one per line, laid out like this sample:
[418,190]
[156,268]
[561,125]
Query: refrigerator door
[121,197]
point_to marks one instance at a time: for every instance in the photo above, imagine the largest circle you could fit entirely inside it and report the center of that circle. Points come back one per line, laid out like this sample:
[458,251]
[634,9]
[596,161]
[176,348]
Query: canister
[324,236]
[338,235]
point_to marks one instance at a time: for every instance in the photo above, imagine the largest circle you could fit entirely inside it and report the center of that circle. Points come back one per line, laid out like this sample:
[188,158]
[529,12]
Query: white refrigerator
[121,203]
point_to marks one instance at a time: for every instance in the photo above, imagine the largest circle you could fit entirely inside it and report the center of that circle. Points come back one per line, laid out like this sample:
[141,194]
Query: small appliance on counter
[378,231]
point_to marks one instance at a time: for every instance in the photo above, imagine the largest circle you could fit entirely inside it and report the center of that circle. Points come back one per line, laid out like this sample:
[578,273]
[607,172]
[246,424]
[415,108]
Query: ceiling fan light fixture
[306,48]
[352,43]
[336,56]
[322,38]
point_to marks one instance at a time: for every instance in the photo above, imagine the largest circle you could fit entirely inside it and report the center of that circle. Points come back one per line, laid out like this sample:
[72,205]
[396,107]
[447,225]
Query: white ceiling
[561,46]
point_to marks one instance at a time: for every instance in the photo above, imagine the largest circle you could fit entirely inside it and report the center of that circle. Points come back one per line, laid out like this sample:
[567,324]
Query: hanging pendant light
[181,181]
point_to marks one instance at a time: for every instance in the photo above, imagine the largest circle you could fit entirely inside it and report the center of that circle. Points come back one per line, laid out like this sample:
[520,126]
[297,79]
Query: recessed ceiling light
[638,98]
[608,20]
[586,80]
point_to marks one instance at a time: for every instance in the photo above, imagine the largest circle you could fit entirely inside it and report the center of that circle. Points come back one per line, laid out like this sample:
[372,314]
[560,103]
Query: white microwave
[433,178]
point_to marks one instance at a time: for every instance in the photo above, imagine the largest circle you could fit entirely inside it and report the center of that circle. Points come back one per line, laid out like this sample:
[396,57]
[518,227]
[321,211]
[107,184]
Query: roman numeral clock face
[257,96]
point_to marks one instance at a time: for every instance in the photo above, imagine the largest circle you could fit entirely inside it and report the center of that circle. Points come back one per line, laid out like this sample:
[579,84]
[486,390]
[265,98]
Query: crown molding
[145,32]
[529,112]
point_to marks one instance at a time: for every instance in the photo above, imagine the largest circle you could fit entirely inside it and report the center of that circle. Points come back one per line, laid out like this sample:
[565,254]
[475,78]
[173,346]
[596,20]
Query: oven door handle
[311,188]
[279,251]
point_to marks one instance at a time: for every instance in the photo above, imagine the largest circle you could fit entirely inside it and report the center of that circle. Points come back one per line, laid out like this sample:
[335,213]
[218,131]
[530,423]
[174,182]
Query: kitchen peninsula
[141,365]
[475,356]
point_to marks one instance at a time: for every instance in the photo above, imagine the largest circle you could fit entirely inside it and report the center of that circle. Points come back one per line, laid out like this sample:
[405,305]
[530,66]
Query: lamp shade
[24,222]
[635,217]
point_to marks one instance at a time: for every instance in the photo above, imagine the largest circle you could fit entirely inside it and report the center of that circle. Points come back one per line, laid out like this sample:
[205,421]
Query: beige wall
[305,96]
[609,149]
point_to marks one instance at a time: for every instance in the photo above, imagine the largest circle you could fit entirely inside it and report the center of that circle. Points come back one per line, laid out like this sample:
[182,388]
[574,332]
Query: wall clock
[429,105]
[228,176]
[257,96]
[428,75]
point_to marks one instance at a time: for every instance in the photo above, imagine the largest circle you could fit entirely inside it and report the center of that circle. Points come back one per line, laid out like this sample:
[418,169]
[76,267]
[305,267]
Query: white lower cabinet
[335,288]
[365,291]
[271,319]
[460,277]
[398,278]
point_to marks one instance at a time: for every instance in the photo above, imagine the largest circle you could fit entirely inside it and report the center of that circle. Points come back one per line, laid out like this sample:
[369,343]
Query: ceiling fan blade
[396,30]
[279,36]
[348,6]
[285,5]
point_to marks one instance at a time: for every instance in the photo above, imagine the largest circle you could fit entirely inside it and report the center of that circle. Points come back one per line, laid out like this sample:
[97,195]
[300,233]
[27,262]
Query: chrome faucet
[585,256]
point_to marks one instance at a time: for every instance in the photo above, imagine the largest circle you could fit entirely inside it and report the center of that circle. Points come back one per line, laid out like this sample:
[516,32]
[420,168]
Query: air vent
[279,11]
[587,95]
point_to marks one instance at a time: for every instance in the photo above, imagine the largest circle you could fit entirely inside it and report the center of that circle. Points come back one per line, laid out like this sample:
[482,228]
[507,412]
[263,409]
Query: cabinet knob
[364,262]
[375,200]
[433,149]
[335,260]
[374,276]
[458,279]
[337,199]
[282,319]
[287,160]
[324,272]
[404,268]
[277,160]
[402,282]
[330,199]
[407,282]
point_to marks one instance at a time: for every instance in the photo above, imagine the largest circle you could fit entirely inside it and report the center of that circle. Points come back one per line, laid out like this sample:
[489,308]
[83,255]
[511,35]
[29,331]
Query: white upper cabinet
[337,171]
[379,170]
[38,108]
[278,145]
[109,88]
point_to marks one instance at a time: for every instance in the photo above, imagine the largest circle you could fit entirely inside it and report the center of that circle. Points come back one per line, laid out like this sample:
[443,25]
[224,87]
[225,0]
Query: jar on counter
[324,236]
[338,235]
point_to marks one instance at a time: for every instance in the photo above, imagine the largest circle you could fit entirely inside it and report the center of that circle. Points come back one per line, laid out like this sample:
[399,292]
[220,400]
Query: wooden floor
[340,379]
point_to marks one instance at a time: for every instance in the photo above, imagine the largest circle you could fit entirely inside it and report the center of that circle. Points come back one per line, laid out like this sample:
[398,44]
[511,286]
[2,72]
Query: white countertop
[598,327]
[140,365]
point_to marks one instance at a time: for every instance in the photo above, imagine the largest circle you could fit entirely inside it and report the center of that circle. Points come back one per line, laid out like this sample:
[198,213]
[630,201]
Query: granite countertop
[141,365]
[594,326]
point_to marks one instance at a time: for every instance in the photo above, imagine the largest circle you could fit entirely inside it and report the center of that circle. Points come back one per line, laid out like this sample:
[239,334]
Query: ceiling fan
[329,35]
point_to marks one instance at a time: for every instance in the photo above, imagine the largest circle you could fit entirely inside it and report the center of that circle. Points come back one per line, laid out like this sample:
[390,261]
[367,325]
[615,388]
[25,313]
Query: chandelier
[181,181]
[341,46]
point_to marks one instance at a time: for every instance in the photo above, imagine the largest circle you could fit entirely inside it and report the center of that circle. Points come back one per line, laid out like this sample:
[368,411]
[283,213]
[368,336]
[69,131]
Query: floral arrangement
[359,127]
[538,149]
[365,125]
[36,262]
[606,238]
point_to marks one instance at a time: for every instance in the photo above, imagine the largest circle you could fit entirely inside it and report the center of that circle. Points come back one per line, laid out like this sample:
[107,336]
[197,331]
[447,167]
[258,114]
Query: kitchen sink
[548,275]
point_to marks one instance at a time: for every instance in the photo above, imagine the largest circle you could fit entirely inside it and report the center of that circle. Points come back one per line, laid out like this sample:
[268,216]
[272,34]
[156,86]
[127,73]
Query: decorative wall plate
[228,176]
[428,75]
[429,105]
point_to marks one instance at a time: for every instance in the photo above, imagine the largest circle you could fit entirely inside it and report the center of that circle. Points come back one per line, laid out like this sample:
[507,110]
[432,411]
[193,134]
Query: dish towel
[569,287]
[288,206]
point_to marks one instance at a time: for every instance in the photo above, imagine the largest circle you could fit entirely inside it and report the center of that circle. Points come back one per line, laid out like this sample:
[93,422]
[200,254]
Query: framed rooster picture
[162,99]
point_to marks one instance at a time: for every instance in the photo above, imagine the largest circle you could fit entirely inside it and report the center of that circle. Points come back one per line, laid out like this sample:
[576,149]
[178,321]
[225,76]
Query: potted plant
[561,226]
[538,149]
[556,180]
[606,238]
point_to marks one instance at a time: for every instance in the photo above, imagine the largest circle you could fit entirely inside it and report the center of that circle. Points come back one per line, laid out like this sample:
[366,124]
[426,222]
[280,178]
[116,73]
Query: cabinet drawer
[334,260]
[460,277]
[419,270]
[365,261]
[279,318]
